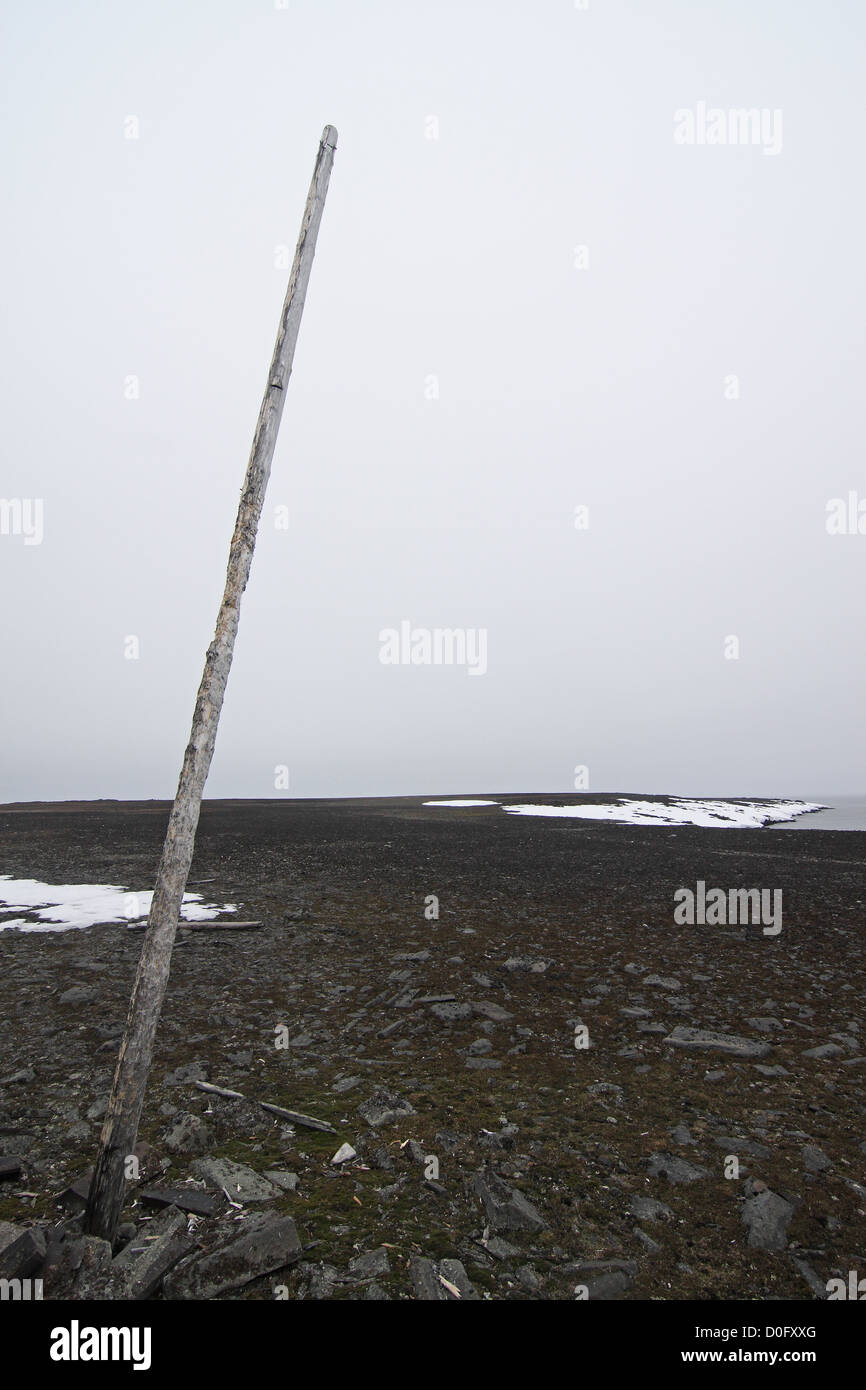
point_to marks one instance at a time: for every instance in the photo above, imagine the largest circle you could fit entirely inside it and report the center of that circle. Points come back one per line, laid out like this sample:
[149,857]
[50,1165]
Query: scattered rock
[287,1182]
[24,1254]
[384,1107]
[188,1199]
[505,1207]
[78,994]
[265,1244]
[451,1012]
[189,1134]
[240,1182]
[676,1170]
[767,1215]
[707,1040]
[815,1159]
[494,1012]
[139,1269]
[648,1209]
[371,1265]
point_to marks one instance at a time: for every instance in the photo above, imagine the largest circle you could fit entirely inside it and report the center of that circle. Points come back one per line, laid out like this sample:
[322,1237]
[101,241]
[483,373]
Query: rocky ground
[549,1091]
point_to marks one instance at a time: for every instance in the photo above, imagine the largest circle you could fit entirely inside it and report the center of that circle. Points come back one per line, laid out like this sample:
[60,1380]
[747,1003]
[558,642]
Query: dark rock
[707,1040]
[78,1268]
[188,1134]
[265,1244]
[371,1265]
[735,1145]
[425,1280]
[676,1170]
[505,1207]
[18,1078]
[815,1159]
[453,1271]
[646,1241]
[78,994]
[451,1012]
[190,1071]
[24,1255]
[241,1183]
[139,1269]
[384,1107]
[648,1209]
[767,1215]
[188,1199]
[500,1249]
[816,1284]
[607,1287]
[487,1009]
[287,1182]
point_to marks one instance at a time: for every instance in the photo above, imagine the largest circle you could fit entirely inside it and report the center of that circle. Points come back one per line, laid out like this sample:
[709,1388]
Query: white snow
[64,907]
[676,811]
[461,803]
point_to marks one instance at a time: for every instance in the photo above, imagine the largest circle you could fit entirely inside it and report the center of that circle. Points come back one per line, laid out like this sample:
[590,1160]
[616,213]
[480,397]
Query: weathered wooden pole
[120,1129]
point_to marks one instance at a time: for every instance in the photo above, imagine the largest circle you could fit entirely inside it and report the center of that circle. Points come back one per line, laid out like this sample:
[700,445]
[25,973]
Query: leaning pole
[118,1137]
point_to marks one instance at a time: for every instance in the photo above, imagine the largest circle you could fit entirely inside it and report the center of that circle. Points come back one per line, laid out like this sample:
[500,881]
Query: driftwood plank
[296,1118]
[218,1090]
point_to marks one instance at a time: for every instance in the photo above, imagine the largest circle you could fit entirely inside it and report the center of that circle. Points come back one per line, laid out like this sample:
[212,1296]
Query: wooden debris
[125,1103]
[295,1118]
[218,1090]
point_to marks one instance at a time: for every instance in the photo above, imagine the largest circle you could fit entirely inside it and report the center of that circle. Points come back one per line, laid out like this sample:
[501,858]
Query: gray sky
[598,378]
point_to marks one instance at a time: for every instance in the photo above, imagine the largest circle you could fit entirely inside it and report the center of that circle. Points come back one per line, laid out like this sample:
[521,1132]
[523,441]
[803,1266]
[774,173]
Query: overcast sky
[531,294]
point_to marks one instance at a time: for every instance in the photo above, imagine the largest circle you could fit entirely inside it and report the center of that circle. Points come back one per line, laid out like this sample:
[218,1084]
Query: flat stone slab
[676,1170]
[487,1009]
[187,1199]
[451,1012]
[384,1107]
[815,1159]
[733,1144]
[707,1040]
[241,1183]
[649,1209]
[22,1257]
[265,1244]
[506,1209]
[373,1264]
[766,1214]
[283,1179]
[141,1266]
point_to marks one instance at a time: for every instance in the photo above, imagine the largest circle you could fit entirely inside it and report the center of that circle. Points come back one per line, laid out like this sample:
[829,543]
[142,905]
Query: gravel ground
[495,1155]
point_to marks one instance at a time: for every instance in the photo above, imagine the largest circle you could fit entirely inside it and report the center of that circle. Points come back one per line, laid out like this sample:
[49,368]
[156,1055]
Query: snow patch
[747,815]
[66,907]
[461,803]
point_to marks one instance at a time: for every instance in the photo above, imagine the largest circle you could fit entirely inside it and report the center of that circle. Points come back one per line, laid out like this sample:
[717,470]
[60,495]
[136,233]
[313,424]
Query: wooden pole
[120,1129]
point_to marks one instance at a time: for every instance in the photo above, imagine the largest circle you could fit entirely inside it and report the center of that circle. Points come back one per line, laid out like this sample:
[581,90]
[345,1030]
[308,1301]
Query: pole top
[329,136]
